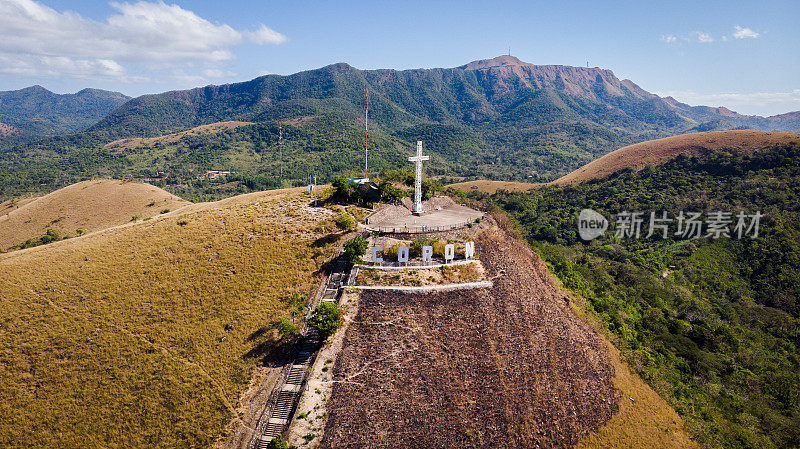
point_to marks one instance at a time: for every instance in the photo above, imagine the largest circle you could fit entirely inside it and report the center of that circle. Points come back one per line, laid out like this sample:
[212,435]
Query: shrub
[164,211]
[286,329]
[50,236]
[326,319]
[390,252]
[297,302]
[182,222]
[354,249]
[345,222]
[279,443]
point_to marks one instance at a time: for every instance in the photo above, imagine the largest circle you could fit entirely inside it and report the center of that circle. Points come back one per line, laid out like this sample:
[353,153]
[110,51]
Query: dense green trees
[712,325]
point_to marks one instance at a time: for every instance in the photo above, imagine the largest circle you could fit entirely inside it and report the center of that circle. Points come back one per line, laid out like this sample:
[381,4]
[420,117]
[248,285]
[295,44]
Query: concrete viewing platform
[438,214]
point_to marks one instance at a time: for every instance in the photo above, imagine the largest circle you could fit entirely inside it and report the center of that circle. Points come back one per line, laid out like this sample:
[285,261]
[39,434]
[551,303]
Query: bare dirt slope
[88,205]
[651,152]
[509,366]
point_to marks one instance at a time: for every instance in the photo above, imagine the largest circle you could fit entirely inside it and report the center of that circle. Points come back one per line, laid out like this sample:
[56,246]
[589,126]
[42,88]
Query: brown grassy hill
[211,128]
[654,152]
[651,152]
[148,334]
[88,205]
[486,186]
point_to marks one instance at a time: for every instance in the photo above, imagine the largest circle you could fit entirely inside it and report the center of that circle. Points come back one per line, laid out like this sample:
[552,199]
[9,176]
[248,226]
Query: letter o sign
[449,252]
[402,254]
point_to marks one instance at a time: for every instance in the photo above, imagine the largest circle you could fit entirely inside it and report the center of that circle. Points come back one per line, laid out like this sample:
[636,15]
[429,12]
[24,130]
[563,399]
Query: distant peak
[500,61]
[34,88]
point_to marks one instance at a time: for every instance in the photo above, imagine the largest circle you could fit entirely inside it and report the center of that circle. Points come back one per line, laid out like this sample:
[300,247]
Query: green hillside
[37,112]
[713,325]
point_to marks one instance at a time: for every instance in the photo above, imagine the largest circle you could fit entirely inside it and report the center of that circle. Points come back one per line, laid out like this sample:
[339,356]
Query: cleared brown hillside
[148,334]
[507,366]
[651,152]
[211,128]
[7,130]
[89,205]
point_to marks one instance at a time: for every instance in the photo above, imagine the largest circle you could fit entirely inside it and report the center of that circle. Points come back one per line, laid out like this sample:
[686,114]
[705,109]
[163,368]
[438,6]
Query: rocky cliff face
[575,81]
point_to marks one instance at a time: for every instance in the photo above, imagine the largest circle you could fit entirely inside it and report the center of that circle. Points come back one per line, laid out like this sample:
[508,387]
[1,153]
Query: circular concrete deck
[441,215]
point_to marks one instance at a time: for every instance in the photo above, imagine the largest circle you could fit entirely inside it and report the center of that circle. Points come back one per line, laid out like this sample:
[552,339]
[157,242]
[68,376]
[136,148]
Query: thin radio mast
[366,133]
[280,149]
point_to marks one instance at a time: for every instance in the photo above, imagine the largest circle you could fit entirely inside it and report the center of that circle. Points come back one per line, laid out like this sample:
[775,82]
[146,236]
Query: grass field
[211,128]
[146,334]
[86,206]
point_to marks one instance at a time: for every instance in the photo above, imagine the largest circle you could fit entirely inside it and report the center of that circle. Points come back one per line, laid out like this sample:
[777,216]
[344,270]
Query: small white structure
[417,207]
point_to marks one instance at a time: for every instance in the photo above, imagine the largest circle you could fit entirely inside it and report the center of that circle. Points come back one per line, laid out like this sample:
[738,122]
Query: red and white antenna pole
[366,134]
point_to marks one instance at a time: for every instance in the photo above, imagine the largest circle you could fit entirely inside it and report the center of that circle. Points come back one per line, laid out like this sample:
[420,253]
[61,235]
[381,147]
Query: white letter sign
[375,258]
[449,252]
[469,250]
[402,254]
[427,253]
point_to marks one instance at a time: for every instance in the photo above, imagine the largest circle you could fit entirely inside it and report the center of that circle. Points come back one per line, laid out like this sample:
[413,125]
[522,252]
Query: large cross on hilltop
[417,207]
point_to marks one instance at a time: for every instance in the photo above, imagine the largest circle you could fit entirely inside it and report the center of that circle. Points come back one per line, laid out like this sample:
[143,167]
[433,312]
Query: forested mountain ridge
[36,112]
[540,120]
[499,118]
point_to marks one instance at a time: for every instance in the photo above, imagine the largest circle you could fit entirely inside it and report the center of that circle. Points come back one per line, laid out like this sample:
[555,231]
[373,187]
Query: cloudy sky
[743,55]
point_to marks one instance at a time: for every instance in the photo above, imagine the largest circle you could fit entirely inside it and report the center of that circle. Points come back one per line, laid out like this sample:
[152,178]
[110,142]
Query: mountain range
[498,118]
[36,112]
[501,90]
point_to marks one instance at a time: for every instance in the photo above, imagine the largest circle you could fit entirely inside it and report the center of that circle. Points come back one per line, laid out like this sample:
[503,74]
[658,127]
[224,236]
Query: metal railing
[417,229]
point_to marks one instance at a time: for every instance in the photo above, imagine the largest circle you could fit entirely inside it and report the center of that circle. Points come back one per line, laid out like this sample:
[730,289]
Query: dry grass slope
[644,419]
[490,187]
[89,205]
[652,152]
[147,334]
[211,128]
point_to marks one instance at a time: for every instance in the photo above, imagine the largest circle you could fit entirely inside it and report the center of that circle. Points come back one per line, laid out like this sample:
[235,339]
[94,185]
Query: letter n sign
[469,250]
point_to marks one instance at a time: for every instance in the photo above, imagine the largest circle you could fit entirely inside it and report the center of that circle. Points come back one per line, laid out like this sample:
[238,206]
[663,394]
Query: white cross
[418,177]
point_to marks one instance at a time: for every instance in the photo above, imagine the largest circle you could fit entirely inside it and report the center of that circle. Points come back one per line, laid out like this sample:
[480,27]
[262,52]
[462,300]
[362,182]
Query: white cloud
[744,33]
[703,37]
[138,33]
[265,35]
[217,73]
[56,66]
[668,38]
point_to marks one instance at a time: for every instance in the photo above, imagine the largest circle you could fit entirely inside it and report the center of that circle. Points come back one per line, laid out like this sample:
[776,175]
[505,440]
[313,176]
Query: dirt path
[506,366]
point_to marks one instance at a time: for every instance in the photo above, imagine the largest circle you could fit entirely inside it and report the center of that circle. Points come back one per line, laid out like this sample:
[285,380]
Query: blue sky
[743,55]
